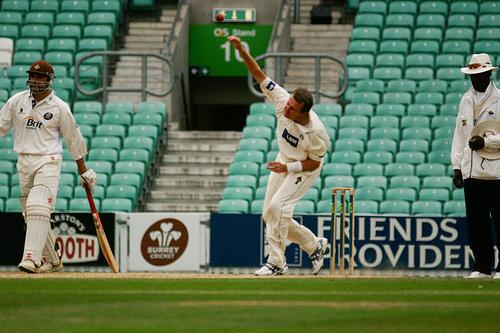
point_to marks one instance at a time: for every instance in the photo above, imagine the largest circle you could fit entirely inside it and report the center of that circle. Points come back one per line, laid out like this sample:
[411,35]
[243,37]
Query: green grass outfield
[103,302]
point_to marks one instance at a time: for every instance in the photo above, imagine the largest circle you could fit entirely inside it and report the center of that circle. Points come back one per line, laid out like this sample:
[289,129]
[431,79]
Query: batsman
[40,120]
[303,142]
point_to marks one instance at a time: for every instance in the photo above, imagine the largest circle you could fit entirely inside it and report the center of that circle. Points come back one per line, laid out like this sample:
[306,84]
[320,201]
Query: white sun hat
[485,129]
[479,63]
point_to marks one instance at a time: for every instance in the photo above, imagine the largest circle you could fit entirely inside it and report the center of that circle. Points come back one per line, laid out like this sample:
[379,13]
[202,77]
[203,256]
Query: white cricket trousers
[283,192]
[38,170]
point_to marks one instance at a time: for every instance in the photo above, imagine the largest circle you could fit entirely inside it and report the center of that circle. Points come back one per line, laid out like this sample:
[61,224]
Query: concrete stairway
[144,35]
[330,38]
[193,172]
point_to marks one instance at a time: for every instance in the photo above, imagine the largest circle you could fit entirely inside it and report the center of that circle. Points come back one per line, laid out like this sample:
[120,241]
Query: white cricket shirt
[296,142]
[38,130]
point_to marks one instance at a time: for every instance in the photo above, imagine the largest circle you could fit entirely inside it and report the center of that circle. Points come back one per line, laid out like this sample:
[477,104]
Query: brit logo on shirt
[293,141]
[270,86]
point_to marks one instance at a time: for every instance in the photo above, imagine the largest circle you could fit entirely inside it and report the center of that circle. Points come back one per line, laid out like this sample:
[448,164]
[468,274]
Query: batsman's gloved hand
[89,177]
[457,179]
[476,142]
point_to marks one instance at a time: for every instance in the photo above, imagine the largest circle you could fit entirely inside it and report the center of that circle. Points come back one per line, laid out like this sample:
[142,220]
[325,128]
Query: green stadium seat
[7,167]
[443,121]
[418,73]
[20,6]
[358,109]
[359,60]
[92,44]
[426,47]
[400,20]
[4,95]
[387,73]
[87,107]
[99,31]
[67,31]
[148,119]
[414,145]
[368,169]
[403,7]
[127,179]
[65,192]
[9,31]
[261,120]
[242,181]
[426,208]
[350,157]
[117,205]
[448,110]
[105,18]
[324,207]
[103,154]
[434,194]
[399,169]
[130,167]
[354,121]
[373,7]
[390,110]
[43,18]
[443,132]
[384,121]
[431,20]
[459,86]
[460,33]
[76,18]
[428,110]
[30,44]
[435,98]
[249,156]
[339,181]
[434,7]
[437,182]
[4,192]
[462,21]
[305,207]
[140,142]
[140,155]
[101,166]
[263,183]
[462,47]
[366,98]
[60,58]
[233,206]
[464,7]
[408,86]
[369,193]
[116,118]
[336,169]
[417,133]
[369,20]
[5,83]
[397,98]
[489,7]
[244,168]
[489,46]
[45,6]
[453,98]
[61,45]
[144,130]
[254,144]
[450,60]
[430,34]
[92,119]
[8,154]
[99,192]
[394,207]
[112,6]
[256,108]
[397,33]
[382,145]
[433,86]
[257,206]
[405,194]
[380,157]
[366,207]
[458,194]
[19,83]
[390,60]
[413,157]
[454,208]
[414,121]
[354,133]
[440,156]
[349,145]
[35,31]
[490,33]
[312,194]
[106,142]
[13,205]
[259,132]
[13,18]
[82,6]
[394,46]
[363,46]
[366,33]
[405,182]
[370,85]
[122,191]
[327,109]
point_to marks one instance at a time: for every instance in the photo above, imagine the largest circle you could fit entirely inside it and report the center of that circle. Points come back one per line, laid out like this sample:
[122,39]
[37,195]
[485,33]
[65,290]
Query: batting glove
[89,177]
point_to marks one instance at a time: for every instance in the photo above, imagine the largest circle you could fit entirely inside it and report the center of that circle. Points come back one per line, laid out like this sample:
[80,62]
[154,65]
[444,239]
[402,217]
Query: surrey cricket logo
[164,242]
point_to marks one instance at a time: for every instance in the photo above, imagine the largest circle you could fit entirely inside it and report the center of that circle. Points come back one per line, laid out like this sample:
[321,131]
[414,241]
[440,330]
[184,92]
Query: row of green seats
[429,7]
[399,207]
[75,205]
[54,6]
[65,18]
[46,33]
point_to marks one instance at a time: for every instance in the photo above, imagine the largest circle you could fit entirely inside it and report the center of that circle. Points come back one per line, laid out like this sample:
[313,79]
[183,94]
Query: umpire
[475,156]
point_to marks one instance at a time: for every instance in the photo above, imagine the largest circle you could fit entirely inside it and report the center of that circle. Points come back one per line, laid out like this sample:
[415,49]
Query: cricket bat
[103,240]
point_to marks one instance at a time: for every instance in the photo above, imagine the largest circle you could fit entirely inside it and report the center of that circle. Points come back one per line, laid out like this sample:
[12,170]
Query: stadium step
[193,171]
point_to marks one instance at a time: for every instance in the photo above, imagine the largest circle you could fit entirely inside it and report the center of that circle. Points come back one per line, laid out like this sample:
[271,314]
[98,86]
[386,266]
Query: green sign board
[211,54]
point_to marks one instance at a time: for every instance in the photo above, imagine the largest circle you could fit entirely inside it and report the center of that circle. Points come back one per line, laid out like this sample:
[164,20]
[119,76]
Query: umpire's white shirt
[296,142]
[463,158]
[38,130]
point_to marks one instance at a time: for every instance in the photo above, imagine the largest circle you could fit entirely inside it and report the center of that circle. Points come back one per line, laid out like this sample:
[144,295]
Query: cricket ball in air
[219,17]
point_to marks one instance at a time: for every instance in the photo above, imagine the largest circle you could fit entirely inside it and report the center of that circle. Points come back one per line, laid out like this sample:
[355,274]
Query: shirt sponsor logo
[293,141]
[48,116]
[270,86]
[32,123]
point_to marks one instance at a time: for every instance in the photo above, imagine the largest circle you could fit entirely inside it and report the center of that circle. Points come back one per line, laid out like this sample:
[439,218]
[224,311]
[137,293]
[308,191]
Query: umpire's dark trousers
[482,203]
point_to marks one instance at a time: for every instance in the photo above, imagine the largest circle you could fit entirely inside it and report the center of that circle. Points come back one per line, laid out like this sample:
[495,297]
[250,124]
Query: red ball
[219,17]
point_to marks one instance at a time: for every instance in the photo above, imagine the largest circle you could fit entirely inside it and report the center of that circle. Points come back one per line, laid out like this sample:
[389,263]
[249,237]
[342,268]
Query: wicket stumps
[345,210]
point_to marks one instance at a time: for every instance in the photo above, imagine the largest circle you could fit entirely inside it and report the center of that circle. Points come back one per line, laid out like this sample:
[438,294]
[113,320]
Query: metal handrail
[177,19]
[104,89]
[277,20]
[280,56]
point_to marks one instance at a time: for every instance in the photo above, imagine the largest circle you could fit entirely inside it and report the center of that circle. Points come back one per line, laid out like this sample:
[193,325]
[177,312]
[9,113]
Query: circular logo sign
[164,242]
[48,116]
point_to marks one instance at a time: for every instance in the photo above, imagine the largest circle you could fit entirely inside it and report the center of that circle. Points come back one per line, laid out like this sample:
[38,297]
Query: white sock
[37,230]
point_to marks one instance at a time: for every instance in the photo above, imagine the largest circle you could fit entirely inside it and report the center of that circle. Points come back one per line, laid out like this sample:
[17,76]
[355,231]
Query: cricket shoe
[270,269]
[28,266]
[478,275]
[497,276]
[52,267]
[317,255]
